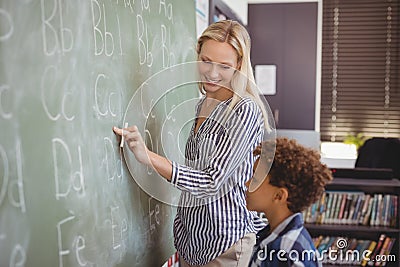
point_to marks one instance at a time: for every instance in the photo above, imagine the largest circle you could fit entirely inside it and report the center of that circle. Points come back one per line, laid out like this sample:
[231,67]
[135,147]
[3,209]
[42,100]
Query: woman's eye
[225,67]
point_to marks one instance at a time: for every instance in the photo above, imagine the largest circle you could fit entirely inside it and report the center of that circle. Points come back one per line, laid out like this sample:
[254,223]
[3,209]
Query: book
[352,209]
[366,220]
[347,208]
[389,249]
[353,242]
[359,202]
[332,208]
[325,208]
[379,208]
[377,249]
[317,240]
[370,249]
[361,250]
[323,245]
[342,205]
[338,203]
[314,211]
[321,209]
[329,196]
[385,211]
[394,211]
[364,209]
[332,246]
[373,211]
[382,251]
[306,214]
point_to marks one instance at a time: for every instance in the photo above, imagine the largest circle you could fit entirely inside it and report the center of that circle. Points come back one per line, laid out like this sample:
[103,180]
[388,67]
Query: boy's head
[296,179]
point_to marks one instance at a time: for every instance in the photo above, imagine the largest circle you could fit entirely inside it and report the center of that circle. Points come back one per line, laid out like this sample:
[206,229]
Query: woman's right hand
[135,142]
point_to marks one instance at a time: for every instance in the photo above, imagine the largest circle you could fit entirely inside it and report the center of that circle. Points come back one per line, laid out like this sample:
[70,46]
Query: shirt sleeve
[241,131]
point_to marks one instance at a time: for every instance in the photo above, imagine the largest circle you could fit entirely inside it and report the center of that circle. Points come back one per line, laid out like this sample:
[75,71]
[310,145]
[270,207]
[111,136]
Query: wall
[239,7]
[286,35]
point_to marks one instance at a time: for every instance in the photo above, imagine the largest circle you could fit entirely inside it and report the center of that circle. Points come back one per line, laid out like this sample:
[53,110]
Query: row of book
[352,251]
[353,207]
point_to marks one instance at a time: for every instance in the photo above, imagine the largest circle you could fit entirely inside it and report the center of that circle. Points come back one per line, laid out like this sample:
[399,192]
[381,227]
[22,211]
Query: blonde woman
[212,226]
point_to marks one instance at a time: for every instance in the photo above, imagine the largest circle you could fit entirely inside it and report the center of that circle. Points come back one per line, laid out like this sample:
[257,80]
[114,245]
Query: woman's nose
[213,71]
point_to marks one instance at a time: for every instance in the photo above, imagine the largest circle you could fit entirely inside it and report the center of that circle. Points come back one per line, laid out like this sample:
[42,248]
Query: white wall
[239,7]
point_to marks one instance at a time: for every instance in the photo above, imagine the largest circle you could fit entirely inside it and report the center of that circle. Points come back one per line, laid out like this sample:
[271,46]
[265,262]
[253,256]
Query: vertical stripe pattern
[212,214]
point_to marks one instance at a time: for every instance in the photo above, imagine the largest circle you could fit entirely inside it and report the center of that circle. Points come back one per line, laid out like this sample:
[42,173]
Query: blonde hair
[242,83]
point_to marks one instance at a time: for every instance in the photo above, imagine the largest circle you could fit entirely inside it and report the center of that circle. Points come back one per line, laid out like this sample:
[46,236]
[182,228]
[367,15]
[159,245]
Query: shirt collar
[292,222]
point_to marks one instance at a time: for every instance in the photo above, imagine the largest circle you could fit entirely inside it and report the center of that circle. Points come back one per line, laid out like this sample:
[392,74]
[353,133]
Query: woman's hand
[135,142]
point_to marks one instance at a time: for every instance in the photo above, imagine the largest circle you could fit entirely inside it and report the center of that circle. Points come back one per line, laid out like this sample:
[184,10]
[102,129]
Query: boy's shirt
[289,244]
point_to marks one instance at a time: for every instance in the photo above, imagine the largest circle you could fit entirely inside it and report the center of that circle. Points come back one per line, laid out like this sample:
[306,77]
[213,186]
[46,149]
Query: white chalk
[122,136]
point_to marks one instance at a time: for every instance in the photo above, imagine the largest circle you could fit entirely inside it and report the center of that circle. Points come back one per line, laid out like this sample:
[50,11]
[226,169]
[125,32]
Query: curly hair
[299,170]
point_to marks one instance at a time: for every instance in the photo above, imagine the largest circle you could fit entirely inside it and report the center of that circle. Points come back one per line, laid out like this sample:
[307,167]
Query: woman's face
[218,63]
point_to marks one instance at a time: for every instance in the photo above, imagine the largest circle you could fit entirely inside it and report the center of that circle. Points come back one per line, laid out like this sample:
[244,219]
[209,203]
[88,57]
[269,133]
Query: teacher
[212,226]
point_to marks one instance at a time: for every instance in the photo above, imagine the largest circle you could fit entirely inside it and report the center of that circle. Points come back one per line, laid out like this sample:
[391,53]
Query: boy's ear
[281,194]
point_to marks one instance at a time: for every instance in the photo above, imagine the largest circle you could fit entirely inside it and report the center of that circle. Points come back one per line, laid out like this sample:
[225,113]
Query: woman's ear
[239,65]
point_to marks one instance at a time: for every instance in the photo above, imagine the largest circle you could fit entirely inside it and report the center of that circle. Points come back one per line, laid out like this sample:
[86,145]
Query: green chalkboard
[68,71]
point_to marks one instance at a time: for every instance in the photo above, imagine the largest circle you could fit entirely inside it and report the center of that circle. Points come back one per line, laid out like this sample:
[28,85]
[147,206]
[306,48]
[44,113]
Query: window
[360,69]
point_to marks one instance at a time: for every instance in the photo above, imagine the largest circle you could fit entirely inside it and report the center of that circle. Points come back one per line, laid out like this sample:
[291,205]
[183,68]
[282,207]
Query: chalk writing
[61,251]
[153,215]
[167,8]
[7,25]
[119,228]
[4,184]
[96,95]
[104,94]
[55,37]
[103,38]
[145,55]
[113,164]
[19,201]
[80,245]
[168,57]
[145,5]
[13,186]
[146,103]
[167,112]
[149,144]
[127,4]
[71,180]
[48,87]
[18,256]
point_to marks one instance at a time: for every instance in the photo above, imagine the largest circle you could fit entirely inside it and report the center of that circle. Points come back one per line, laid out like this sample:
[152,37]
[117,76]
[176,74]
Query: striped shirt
[288,245]
[212,214]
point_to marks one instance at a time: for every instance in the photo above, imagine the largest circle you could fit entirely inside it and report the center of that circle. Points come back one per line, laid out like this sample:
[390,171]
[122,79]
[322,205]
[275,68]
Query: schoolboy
[296,180]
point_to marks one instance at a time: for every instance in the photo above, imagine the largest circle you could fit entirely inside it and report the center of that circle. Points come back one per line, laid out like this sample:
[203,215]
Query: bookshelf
[355,229]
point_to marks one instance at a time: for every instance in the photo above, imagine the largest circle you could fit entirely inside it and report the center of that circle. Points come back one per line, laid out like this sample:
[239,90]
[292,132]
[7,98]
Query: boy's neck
[277,216]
